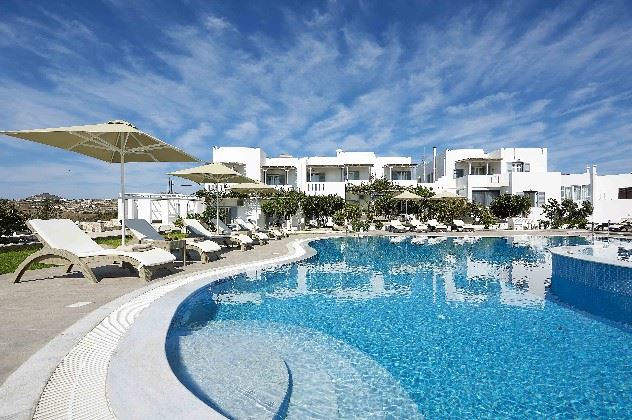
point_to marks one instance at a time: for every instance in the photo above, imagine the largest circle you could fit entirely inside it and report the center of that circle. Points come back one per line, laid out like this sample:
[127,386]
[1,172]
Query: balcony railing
[483,181]
[326,188]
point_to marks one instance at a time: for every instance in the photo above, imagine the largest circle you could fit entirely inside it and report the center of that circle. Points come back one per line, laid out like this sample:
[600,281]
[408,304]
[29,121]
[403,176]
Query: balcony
[483,181]
[326,188]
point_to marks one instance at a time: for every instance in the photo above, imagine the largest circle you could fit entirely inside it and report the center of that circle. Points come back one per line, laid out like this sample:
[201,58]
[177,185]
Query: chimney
[434,163]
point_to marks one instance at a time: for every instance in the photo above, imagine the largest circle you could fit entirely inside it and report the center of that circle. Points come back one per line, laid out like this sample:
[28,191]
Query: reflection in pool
[442,328]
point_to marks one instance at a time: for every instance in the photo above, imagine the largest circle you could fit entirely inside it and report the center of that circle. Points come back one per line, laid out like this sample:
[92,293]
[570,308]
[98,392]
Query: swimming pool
[392,328]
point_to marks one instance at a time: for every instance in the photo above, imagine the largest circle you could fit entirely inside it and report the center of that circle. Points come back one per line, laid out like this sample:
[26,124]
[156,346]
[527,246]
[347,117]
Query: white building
[472,173]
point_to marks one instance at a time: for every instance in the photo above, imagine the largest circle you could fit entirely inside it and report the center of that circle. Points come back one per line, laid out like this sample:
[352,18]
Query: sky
[308,77]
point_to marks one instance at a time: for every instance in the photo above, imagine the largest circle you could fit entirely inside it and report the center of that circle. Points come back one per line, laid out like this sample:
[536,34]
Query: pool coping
[570,252]
[47,384]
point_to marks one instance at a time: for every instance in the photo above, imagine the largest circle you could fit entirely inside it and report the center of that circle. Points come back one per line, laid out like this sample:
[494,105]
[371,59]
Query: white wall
[253,158]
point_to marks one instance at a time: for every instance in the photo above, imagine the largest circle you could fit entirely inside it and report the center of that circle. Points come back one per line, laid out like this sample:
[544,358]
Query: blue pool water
[435,328]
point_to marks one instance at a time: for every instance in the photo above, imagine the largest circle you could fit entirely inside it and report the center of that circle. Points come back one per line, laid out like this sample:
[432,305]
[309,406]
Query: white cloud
[326,82]
[246,130]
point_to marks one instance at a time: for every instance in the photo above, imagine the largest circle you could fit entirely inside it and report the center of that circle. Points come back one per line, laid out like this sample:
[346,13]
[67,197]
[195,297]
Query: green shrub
[567,212]
[508,205]
[11,218]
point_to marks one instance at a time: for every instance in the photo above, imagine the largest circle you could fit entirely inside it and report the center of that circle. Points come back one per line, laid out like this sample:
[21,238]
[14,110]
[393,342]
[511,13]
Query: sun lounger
[145,233]
[418,226]
[436,226]
[254,230]
[396,226]
[461,226]
[198,229]
[64,242]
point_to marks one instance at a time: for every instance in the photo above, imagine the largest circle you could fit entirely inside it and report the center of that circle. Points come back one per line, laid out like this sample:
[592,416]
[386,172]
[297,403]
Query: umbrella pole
[217,207]
[124,204]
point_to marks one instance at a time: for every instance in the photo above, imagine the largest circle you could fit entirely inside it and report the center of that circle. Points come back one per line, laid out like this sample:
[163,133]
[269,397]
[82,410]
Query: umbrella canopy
[213,173]
[113,142]
[407,195]
[446,195]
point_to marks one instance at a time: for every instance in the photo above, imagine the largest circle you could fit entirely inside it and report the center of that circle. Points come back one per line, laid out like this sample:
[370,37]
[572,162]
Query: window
[458,173]
[484,197]
[275,179]
[585,192]
[317,177]
[401,176]
[575,192]
[517,167]
[353,175]
[625,193]
[478,170]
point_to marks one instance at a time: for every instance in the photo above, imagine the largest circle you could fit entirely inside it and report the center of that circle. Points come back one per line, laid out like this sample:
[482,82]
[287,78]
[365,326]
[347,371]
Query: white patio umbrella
[213,173]
[407,196]
[113,142]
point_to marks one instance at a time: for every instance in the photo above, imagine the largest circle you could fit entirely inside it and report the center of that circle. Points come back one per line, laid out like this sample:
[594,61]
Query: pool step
[327,378]
[245,381]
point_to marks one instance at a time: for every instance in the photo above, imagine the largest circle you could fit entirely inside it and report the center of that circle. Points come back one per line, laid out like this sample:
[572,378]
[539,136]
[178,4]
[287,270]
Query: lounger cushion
[149,258]
[141,229]
[64,234]
[205,246]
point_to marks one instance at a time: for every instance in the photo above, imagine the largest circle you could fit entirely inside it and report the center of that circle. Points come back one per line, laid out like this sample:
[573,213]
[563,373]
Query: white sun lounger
[396,226]
[436,226]
[461,226]
[65,243]
[145,233]
[254,230]
[196,228]
[418,225]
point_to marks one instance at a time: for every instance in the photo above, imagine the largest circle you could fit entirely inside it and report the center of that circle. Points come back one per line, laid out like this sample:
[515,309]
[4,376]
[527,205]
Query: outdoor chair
[64,242]
[461,226]
[397,226]
[254,230]
[436,226]
[418,226]
[146,233]
[196,228]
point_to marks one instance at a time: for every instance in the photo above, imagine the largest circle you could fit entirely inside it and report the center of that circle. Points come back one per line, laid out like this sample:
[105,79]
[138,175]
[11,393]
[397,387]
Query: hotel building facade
[471,173]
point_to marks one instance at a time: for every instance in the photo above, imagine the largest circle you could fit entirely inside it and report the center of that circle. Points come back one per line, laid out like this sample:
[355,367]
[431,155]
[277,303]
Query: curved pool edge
[23,392]
[141,360]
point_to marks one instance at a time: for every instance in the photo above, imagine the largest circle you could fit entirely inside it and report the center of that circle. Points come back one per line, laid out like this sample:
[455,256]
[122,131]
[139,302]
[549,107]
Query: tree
[508,205]
[48,209]
[321,207]
[445,211]
[350,214]
[11,218]
[567,213]
[283,204]
[481,215]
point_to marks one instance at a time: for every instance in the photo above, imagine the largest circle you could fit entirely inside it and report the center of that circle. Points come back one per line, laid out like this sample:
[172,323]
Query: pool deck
[51,312]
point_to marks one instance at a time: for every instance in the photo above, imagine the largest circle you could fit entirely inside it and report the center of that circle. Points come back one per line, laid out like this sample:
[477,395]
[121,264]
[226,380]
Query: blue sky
[307,77]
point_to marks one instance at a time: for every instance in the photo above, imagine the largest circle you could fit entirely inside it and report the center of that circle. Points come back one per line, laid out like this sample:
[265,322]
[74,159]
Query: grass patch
[112,242]
[10,259]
